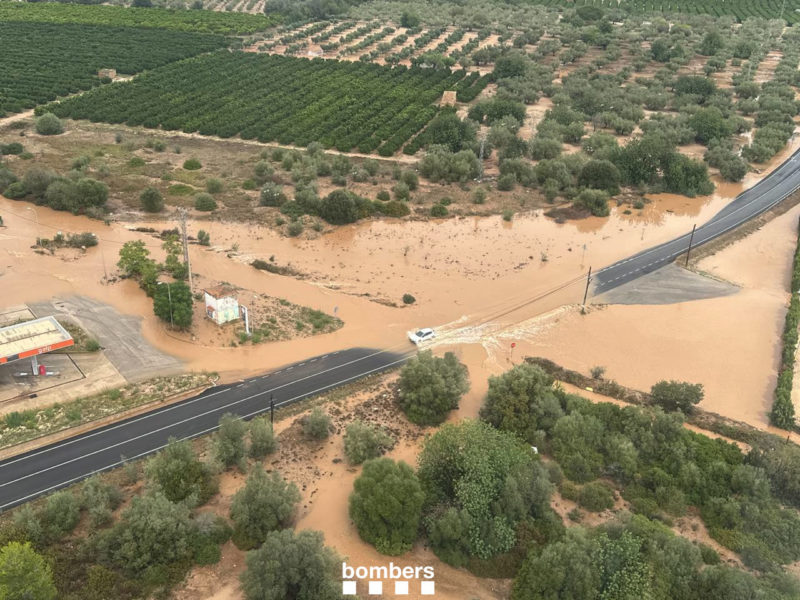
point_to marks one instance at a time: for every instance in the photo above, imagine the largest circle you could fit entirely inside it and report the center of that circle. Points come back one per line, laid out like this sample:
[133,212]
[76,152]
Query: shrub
[408,299]
[317,424]
[410,179]
[506,182]
[179,475]
[15,191]
[262,438]
[597,372]
[386,505]
[596,201]
[151,200]
[430,387]
[205,202]
[49,124]
[395,208]
[229,446]
[295,228]
[401,190]
[363,441]
[596,496]
[136,161]
[384,196]
[214,186]
[292,565]
[203,238]
[192,164]
[92,345]
[60,515]
[25,574]
[508,214]
[264,504]
[12,148]
[439,210]
[341,207]
[272,195]
[479,196]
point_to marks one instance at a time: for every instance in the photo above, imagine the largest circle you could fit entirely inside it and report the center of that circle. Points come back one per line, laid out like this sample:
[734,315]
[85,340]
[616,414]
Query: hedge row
[782,414]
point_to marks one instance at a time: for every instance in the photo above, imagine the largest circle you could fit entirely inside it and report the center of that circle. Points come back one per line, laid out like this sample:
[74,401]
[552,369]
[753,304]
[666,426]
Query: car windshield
[422,333]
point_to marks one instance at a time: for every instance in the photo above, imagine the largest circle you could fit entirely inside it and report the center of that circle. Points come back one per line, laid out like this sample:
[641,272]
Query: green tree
[522,401]
[60,514]
[205,202]
[179,475]
[447,129]
[6,178]
[49,124]
[600,175]
[479,483]
[339,207]
[229,447]
[709,124]
[262,438]
[430,387]
[153,532]
[264,504]
[677,395]
[291,566]
[92,192]
[409,20]
[596,201]
[133,258]
[37,180]
[363,441]
[172,302]
[151,200]
[386,505]
[24,575]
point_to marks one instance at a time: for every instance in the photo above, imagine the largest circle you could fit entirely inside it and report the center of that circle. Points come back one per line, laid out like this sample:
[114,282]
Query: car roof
[425,330]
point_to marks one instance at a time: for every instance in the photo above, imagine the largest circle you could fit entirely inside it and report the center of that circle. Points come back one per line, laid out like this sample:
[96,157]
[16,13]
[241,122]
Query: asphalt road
[37,472]
[751,203]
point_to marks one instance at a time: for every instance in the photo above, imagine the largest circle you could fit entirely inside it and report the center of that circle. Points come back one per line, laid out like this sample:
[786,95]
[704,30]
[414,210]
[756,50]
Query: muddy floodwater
[479,280]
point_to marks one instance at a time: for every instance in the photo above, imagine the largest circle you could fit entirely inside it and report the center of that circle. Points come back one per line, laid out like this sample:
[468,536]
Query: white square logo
[401,588]
[427,588]
[375,588]
[348,588]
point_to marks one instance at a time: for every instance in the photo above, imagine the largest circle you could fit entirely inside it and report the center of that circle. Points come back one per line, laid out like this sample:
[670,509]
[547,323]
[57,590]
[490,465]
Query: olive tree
[363,441]
[264,504]
[179,475]
[386,504]
[430,387]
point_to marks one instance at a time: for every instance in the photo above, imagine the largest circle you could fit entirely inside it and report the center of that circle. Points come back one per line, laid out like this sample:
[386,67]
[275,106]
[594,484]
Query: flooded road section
[481,280]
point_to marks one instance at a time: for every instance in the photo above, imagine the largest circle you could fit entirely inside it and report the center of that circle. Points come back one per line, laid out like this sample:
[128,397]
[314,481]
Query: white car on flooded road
[420,336]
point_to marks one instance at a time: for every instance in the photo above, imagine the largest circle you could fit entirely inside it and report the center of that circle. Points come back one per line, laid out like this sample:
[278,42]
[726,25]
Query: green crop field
[203,21]
[42,61]
[741,9]
[274,98]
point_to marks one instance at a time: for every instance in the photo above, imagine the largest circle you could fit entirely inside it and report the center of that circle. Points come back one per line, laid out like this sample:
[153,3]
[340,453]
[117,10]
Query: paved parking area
[119,335]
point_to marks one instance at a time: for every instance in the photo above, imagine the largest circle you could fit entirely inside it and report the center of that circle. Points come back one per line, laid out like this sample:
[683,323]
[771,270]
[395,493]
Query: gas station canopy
[31,338]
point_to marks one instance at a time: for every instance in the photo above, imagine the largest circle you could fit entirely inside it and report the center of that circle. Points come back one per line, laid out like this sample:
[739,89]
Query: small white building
[221,304]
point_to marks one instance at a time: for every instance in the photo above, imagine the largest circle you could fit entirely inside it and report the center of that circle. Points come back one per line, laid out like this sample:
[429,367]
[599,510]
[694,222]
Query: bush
[151,200]
[386,505]
[179,475]
[292,566]
[395,208]
[153,532]
[596,201]
[384,196]
[439,210]
[677,395]
[264,504]
[262,438]
[229,446]
[317,424]
[192,164]
[408,299]
[272,195]
[430,387]
[60,515]
[596,496]
[410,179]
[295,228]
[15,191]
[363,441]
[401,191]
[7,178]
[203,238]
[49,124]
[341,207]
[25,574]
[214,186]
[205,202]
[12,148]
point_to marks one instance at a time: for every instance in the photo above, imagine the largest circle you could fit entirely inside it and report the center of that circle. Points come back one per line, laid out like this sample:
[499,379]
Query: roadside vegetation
[22,426]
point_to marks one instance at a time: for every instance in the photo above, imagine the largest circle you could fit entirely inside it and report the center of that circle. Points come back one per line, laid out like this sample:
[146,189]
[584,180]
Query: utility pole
[586,291]
[480,159]
[691,239]
[271,410]
[186,248]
